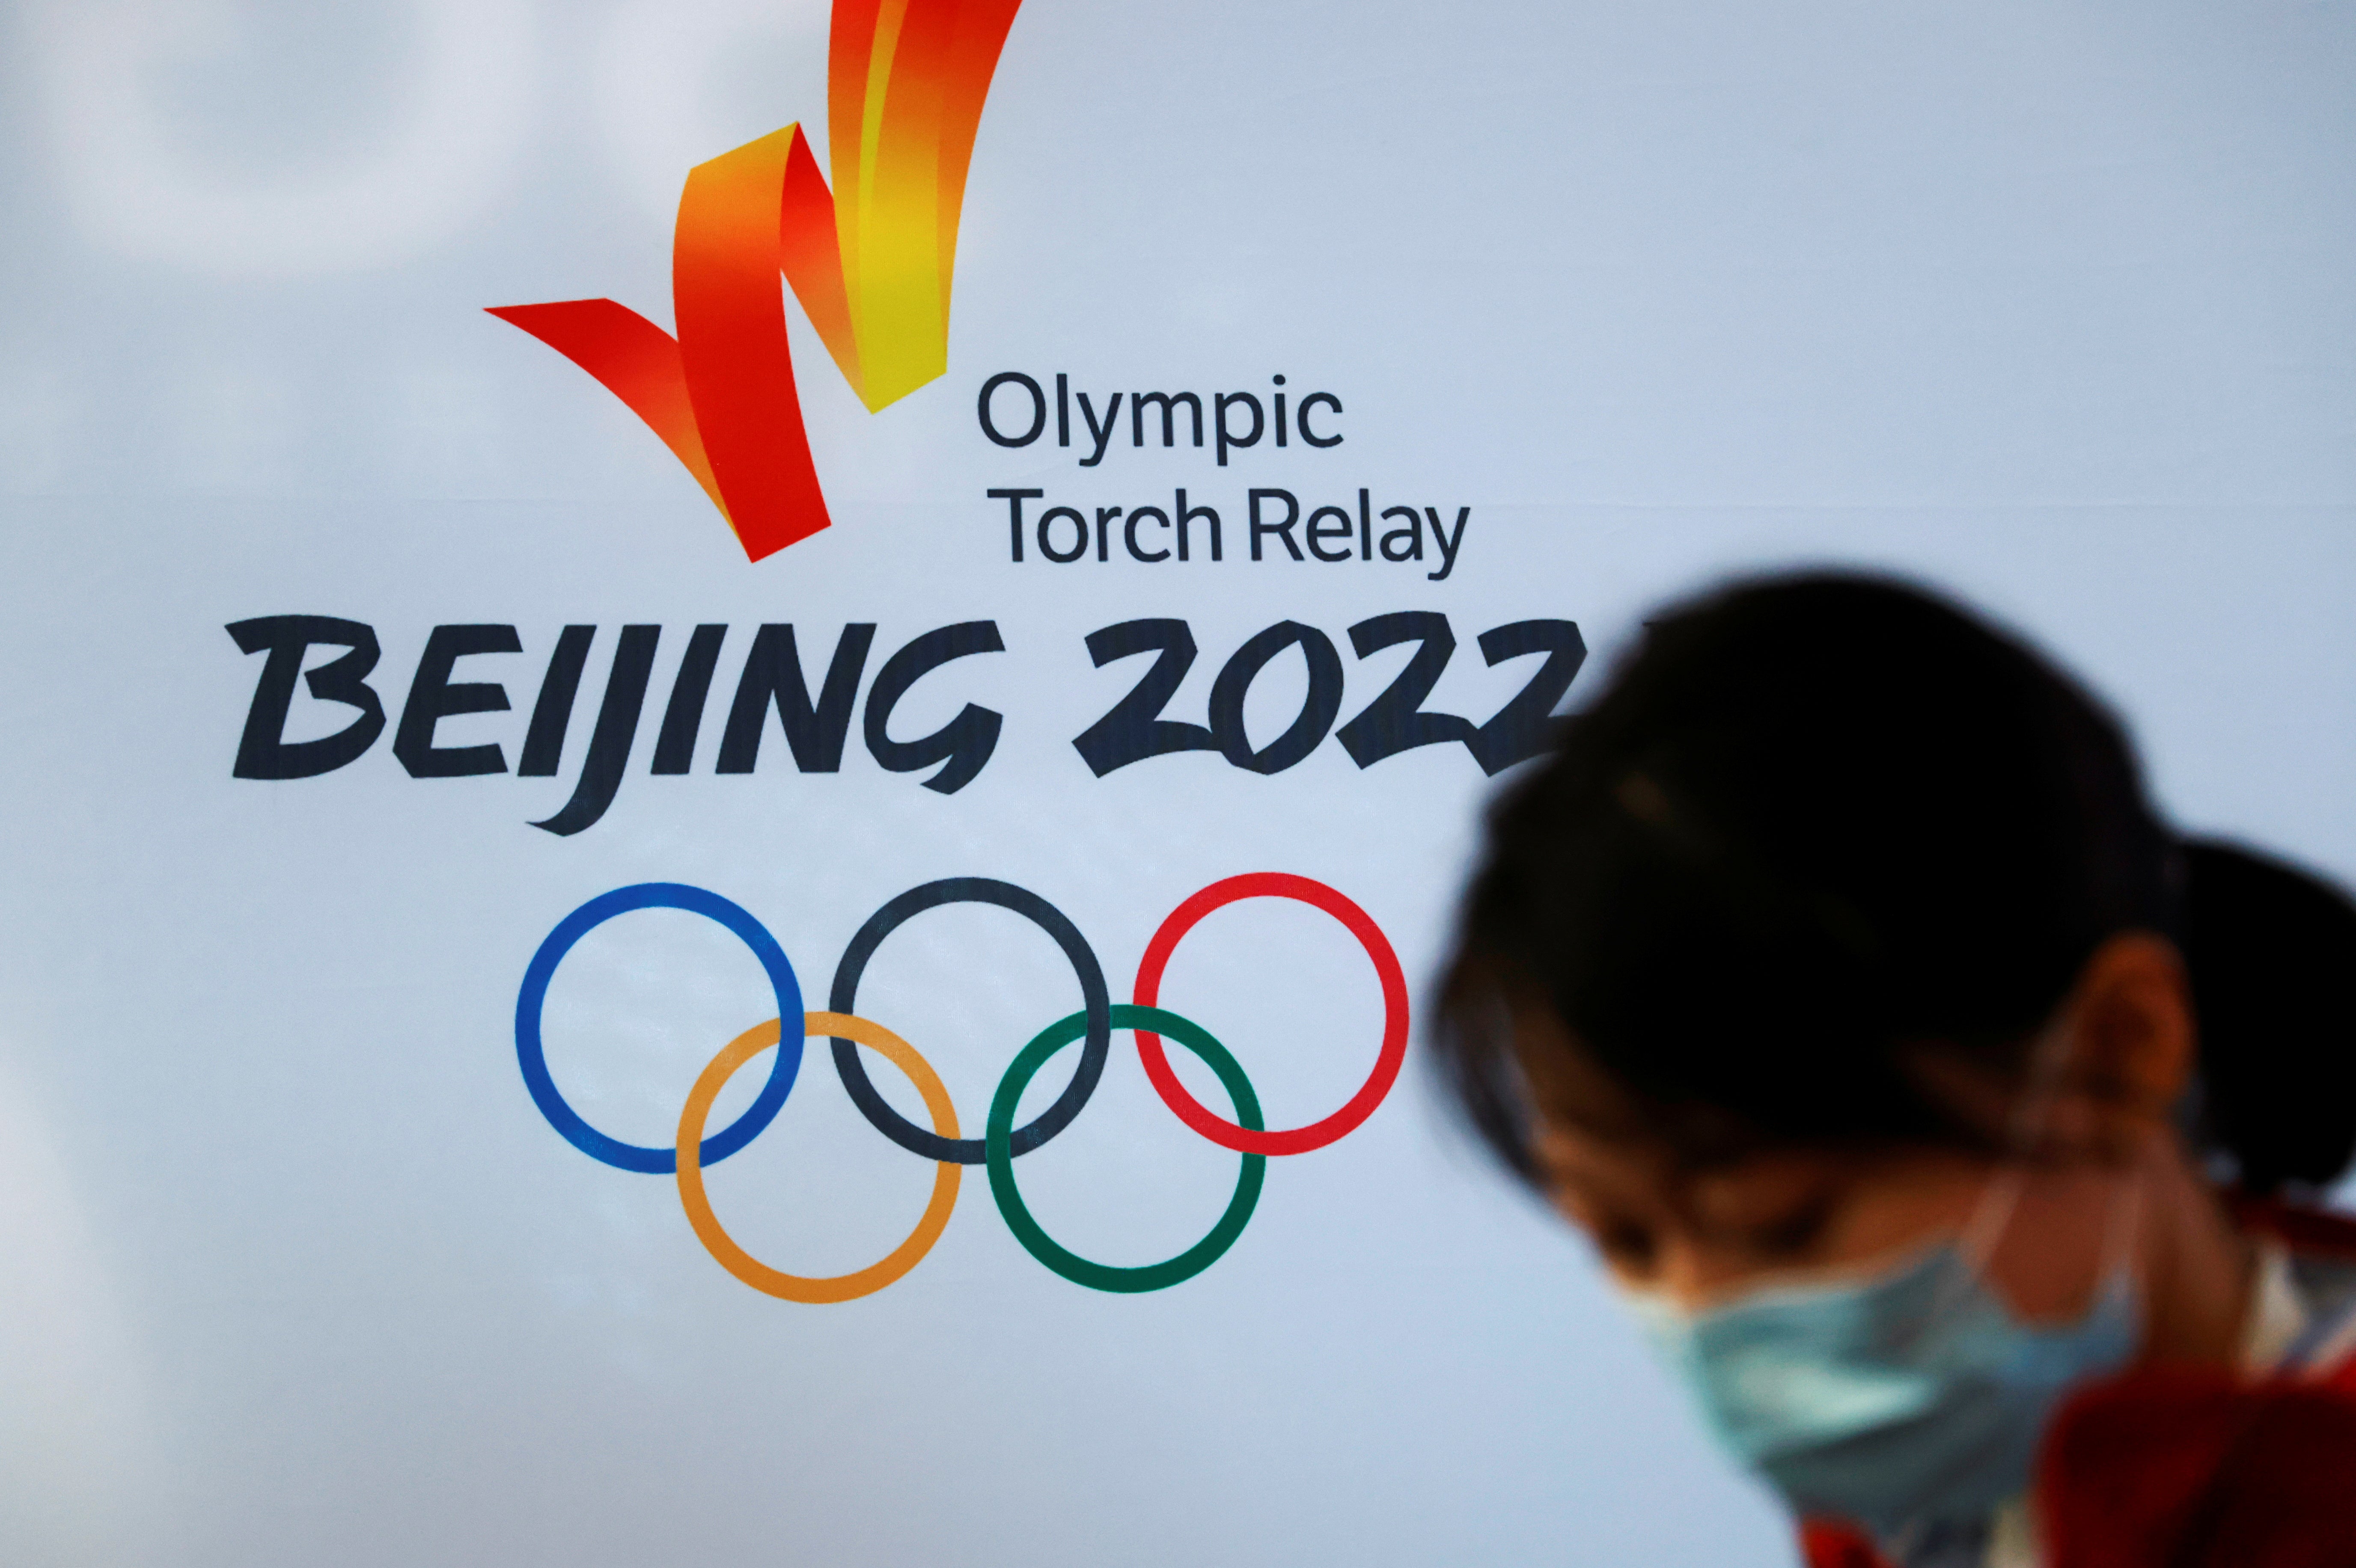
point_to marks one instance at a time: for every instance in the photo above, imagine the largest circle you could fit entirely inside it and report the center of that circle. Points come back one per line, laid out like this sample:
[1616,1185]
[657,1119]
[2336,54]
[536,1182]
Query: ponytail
[2272,952]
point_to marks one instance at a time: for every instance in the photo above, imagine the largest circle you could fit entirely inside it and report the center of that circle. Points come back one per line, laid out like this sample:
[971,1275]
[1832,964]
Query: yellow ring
[744,1265]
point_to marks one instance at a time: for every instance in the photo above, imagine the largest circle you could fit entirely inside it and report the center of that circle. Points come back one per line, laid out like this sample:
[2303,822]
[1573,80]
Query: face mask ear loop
[1993,1213]
[2122,1230]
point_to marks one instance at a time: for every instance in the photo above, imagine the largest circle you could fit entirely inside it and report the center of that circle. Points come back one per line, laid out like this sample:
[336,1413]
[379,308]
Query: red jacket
[2179,1470]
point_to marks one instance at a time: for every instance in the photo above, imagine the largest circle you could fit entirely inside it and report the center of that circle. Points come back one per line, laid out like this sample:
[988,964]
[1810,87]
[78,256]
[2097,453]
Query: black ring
[843,997]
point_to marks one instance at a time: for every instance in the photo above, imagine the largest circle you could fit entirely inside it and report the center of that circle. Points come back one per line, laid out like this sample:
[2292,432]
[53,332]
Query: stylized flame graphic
[870,261]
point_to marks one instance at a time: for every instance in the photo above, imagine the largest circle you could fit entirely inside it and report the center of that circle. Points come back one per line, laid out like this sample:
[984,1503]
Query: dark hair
[1817,822]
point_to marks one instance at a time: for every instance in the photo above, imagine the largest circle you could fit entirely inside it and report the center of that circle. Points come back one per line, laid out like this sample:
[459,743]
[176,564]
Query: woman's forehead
[1648,1165]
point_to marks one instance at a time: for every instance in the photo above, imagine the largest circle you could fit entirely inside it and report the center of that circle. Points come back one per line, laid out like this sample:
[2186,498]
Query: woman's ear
[2121,1052]
[2128,1048]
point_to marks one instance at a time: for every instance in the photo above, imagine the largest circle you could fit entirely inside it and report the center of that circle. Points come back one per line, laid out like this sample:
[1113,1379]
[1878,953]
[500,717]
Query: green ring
[1000,1155]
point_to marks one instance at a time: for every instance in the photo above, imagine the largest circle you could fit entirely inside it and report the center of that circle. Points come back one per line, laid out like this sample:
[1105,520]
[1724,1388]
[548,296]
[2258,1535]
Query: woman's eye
[1795,1232]
[1627,1246]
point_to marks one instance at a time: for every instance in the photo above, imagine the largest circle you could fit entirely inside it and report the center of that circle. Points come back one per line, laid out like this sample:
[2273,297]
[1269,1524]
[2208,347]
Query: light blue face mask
[1910,1402]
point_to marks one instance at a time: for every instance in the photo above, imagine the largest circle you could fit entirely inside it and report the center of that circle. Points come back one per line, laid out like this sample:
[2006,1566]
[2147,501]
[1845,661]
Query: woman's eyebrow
[1753,1212]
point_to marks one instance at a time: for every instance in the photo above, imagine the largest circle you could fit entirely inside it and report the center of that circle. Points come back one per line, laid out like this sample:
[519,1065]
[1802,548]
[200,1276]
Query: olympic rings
[1035,1240]
[1248,1139]
[534,996]
[1001,1141]
[844,998]
[743,1265]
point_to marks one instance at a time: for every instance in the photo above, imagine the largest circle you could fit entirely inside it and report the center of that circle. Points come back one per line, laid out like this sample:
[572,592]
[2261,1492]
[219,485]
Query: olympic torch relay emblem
[871,261]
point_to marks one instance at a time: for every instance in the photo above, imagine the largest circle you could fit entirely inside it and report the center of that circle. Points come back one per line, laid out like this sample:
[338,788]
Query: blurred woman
[1932,1105]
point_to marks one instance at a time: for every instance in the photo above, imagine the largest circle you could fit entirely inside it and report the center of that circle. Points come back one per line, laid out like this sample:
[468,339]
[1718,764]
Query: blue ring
[533,1060]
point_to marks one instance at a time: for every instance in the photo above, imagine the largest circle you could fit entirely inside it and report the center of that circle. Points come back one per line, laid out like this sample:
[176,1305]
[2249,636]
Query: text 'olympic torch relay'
[870,259]
[1001,1141]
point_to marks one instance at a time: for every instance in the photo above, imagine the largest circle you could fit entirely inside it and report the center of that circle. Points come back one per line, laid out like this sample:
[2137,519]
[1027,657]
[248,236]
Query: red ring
[1286,1140]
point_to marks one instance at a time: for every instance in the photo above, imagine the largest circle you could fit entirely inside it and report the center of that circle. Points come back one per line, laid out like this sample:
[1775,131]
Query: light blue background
[2048,303]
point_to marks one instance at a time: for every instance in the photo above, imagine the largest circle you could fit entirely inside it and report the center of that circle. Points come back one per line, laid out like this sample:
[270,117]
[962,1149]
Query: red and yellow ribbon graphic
[871,261]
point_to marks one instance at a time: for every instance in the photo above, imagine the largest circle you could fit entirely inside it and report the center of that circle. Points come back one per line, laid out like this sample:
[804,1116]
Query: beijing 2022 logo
[1001,1142]
[870,259]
